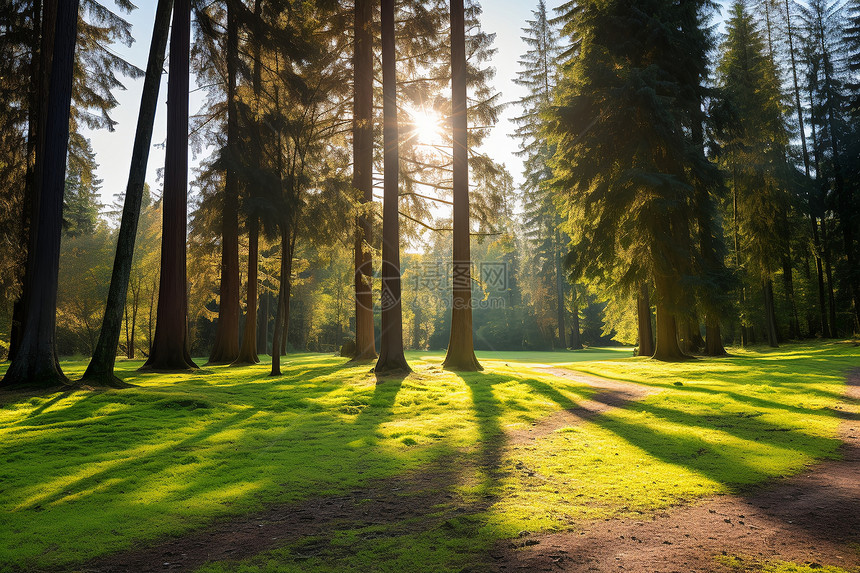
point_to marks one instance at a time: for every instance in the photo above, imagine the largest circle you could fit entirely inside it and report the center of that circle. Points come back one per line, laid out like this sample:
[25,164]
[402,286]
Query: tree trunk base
[364,357]
[222,358]
[36,374]
[462,365]
[714,341]
[167,369]
[666,347]
[171,363]
[393,364]
[104,380]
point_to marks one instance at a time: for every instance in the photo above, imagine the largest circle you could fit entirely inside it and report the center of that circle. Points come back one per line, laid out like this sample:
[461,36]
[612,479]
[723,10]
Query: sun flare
[426,126]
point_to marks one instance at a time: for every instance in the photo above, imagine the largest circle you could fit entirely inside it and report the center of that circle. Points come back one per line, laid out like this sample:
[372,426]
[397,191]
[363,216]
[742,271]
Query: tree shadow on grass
[404,506]
[80,453]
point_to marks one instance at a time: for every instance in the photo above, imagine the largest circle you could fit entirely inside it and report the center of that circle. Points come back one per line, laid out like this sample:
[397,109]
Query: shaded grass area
[88,473]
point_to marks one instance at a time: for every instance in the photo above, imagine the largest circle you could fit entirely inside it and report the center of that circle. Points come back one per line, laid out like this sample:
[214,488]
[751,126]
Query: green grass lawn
[92,472]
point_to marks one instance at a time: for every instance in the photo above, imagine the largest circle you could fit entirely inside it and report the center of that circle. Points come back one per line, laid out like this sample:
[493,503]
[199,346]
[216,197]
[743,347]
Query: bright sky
[113,150]
[505,18]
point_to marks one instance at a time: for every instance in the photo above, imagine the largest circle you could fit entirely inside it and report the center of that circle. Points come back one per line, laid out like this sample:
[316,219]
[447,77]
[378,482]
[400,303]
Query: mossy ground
[738,564]
[88,473]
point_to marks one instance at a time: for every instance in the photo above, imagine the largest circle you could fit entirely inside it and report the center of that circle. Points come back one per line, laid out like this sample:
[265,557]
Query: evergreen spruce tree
[621,151]
[81,197]
[823,24]
[538,75]
[754,154]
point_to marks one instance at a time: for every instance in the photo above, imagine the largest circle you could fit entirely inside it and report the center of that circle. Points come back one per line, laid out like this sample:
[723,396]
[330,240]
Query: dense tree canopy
[714,182]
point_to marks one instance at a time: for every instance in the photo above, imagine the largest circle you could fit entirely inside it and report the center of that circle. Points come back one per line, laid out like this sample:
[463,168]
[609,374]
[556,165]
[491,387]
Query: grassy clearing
[89,473]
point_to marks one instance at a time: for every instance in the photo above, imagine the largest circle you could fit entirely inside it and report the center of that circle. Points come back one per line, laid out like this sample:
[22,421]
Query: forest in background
[666,167]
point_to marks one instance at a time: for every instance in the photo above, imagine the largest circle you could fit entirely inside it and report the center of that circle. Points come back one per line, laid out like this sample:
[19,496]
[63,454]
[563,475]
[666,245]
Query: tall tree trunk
[263,325]
[713,338]
[575,339]
[100,369]
[794,323]
[226,347]
[830,331]
[684,335]
[248,350]
[559,291]
[819,267]
[135,305]
[391,357]
[461,352]
[770,314]
[643,314]
[280,313]
[288,285]
[35,363]
[286,317]
[828,270]
[698,343]
[666,348]
[844,193]
[127,333]
[42,49]
[362,178]
[745,331]
[816,245]
[170,345]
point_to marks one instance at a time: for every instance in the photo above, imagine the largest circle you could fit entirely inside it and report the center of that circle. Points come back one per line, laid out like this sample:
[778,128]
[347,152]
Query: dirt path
[810,518]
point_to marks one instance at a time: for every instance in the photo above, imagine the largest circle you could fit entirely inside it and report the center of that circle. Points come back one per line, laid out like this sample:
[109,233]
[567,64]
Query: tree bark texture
[575,338]
[43,49]
[362,177]
[461,352]
[226,346]
[391,357]
[170,345]
[248,350]
[830,331]
[263,325]
[770,314]
[101,366]
[282,314]
[559,291]
[35,363]
[643,312]
[713,338]
[666,347]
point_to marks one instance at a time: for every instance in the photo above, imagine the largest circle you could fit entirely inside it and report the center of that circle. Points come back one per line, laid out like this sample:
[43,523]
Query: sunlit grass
[749,565]
[88,473]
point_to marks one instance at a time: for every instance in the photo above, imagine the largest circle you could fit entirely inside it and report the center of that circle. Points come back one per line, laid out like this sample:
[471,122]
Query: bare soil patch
[812,518]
